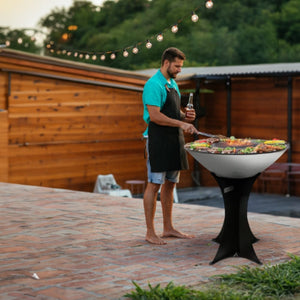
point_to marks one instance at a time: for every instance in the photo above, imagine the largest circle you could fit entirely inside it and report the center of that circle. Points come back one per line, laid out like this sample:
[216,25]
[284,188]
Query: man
[165,143]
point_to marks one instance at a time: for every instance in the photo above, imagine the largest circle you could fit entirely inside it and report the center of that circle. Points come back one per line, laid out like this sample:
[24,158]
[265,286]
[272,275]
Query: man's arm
[159,118]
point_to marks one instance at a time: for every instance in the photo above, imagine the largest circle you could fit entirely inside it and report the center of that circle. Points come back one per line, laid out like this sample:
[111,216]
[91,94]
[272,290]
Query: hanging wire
[102,55]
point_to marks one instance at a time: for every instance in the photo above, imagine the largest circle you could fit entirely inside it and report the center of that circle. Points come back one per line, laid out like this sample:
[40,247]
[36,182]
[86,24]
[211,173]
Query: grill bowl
[236,165]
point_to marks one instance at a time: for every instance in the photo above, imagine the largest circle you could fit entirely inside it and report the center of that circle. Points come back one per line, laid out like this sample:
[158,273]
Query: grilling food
[233,145]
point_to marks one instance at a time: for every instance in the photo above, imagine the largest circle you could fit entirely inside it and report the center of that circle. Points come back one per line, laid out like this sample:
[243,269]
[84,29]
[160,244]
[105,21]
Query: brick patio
[91,246]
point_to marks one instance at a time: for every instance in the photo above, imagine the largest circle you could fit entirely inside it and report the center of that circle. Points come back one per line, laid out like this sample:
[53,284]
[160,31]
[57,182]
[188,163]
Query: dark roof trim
[261,70]
[223,72]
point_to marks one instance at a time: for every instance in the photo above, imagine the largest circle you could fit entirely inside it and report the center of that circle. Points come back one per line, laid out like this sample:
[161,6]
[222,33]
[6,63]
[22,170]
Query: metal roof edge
[219,72]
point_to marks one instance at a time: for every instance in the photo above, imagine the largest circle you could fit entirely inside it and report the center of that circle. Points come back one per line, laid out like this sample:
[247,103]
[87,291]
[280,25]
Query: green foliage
[270,282]
[273,281]
[19,40]
[233,32]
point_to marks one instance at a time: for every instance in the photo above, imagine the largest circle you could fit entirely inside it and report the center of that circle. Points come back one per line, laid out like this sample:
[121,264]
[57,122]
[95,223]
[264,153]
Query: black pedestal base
[236,237]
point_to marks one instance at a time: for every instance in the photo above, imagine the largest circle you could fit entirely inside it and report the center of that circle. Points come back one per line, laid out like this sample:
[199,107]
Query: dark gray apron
[166,144]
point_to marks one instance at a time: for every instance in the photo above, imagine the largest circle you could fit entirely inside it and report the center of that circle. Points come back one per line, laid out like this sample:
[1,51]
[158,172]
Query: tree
[19,39]
[235,32]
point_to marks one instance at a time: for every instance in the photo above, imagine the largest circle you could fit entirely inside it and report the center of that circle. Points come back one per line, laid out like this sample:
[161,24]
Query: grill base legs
[235,237]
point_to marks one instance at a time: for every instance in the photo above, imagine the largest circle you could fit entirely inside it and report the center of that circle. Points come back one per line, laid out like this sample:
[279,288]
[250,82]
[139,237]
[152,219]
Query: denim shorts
[160,177]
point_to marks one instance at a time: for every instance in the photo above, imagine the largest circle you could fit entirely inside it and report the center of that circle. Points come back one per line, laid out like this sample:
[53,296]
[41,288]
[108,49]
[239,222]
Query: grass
[261,283]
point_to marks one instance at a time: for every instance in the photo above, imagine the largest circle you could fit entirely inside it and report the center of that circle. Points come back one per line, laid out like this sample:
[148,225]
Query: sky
[18,14]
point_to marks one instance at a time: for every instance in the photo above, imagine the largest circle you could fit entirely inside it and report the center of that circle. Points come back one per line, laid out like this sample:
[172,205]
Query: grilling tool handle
[207,134]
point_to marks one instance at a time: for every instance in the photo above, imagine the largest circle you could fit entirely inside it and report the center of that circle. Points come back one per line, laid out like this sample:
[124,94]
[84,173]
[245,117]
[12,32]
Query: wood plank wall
[258,110]
[63,133]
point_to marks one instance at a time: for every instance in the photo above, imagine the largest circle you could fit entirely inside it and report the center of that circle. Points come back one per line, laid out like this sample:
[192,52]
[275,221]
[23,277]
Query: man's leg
[166,198]
[150,196]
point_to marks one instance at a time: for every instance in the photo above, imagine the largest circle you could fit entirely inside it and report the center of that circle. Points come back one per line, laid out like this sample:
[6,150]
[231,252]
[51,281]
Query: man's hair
[171,53]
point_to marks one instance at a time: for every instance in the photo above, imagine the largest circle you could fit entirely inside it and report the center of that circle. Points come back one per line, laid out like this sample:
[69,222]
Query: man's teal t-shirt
[155,93]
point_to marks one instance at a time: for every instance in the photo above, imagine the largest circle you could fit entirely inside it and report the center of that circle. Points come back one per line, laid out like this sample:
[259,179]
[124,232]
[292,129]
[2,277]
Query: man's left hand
[190,115]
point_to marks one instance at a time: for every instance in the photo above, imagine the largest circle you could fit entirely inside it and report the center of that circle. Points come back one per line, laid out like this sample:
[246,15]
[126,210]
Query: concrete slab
[273,204]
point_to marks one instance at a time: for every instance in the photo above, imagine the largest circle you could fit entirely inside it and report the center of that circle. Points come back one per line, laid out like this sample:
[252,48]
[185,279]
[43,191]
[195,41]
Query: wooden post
[3,145]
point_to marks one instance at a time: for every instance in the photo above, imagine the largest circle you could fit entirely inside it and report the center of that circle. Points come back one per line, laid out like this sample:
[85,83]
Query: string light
[209,4]
[53,48]
[125,53]
[174,28]
[135,50]
[194,17]
[160,37]
[148,45]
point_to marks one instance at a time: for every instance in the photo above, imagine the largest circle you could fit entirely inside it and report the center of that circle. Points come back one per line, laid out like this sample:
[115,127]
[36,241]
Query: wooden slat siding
[3,90]
[259,109]
[96,114]
[35,98]
[76,70]
[3,145]
[71,129]
[215,106]
[295,189]
[66,162]
[55,117]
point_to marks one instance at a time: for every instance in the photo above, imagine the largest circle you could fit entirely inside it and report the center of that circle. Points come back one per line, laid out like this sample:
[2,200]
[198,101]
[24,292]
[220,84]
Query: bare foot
[154,239]
[177,234]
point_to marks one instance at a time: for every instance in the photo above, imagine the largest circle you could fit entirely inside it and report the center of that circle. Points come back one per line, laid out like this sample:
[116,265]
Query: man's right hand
[188,128]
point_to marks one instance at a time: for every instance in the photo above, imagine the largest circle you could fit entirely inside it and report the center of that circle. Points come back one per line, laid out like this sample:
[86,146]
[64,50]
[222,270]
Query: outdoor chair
[106,184]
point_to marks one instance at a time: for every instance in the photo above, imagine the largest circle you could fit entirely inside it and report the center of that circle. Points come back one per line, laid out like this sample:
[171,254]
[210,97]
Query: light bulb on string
[125,53]
[209,4]
[69,53]
[20,40]
[75,54]
[7,43]
[113,56]
[148,45]
[64,52]
[87,56]
[80,55]
[160,37]
[194,17]
[94,57]
[174,28]
[102,57]
[135,50]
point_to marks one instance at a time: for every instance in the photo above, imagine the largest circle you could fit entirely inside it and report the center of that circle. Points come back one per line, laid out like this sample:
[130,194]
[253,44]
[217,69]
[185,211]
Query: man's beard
[172,75]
